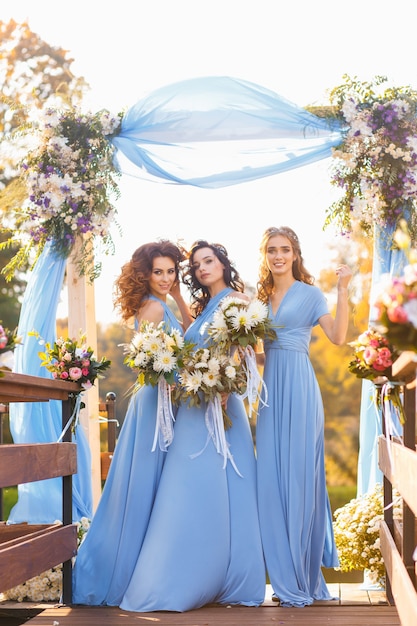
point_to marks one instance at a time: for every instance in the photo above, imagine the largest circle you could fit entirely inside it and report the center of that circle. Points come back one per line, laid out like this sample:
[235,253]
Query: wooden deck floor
[355,607]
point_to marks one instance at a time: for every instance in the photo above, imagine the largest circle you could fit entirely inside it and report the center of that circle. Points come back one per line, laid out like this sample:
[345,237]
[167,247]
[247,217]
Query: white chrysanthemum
[178,338]
[211,378]
[230,372]
[257,311]
[240,320]
[204,354]
[141,359]
[218,327]
[137,341]
[153,343]
[191,381]
[230,301]
[213,365]
[164,361]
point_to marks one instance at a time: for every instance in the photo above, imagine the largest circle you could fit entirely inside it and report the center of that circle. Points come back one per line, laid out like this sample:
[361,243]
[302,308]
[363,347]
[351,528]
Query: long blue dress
[109,552]
[203,542]
[294,510]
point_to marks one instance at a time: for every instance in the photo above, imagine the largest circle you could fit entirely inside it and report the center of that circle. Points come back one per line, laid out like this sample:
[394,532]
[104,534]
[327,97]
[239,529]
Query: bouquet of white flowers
[156,353]
[210,375]
[240,325]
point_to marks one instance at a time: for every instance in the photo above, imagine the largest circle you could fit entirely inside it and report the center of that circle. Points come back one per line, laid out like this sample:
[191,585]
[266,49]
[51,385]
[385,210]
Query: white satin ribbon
[387,411]
[254,382]
[75,417]
[215,426]
[164,423]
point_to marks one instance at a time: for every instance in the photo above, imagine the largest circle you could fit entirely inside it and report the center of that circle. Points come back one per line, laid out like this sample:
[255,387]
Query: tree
[33,74]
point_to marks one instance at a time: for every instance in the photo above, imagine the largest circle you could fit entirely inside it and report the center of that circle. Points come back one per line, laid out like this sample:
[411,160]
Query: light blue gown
[203,542]
[294,510]
[108,554]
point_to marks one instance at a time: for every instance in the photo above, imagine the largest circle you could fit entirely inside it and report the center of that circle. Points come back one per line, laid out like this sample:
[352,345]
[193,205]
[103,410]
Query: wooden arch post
[82,317]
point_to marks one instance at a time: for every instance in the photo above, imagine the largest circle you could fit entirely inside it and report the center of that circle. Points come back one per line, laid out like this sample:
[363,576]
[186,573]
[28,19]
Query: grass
[9,500]
[340,495]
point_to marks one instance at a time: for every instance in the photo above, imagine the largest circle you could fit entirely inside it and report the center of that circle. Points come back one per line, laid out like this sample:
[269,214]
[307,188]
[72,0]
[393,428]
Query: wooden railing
[108,409]
[398,462]
[34,548]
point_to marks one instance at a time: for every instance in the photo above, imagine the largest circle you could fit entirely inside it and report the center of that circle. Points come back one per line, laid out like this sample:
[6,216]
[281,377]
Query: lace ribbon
[255,382]
[164,429]
[75,417]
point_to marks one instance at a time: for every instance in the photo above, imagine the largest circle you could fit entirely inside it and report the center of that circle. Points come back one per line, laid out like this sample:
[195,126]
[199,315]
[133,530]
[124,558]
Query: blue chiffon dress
[294,510]
[108,554]
[203,541]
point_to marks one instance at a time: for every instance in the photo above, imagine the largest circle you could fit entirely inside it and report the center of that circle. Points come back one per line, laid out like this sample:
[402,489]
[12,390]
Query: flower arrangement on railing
[373,355]
[396,303]
[70,180]
[156,353]
[47,587]
[356,533]
[376,164]
[240,325]
[372,359]
[9,339]
[72,360]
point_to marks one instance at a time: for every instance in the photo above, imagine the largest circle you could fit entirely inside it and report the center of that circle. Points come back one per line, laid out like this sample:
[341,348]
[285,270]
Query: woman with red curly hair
[109,552]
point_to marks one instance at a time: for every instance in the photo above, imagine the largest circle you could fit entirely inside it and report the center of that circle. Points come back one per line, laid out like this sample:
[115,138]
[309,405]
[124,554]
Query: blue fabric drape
[41,422]
[217,131]
[386,260]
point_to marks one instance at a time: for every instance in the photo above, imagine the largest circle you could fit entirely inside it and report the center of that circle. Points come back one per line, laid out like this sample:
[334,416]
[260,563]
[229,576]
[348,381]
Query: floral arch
[207,132]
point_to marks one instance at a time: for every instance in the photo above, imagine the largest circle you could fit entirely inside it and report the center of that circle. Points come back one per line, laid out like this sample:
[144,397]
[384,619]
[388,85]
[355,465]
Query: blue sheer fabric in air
[219,131]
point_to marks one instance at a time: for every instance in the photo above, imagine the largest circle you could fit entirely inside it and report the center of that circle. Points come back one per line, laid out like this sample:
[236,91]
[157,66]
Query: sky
[300,50]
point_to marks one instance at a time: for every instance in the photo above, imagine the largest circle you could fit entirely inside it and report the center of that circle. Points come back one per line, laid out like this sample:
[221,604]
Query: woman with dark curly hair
[203,542]
[294,511]
[108,555]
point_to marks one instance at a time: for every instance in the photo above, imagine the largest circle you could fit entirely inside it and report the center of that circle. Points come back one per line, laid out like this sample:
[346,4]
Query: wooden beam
[399,465]
[26,463]
[82,317]
[403,591]
[35,551]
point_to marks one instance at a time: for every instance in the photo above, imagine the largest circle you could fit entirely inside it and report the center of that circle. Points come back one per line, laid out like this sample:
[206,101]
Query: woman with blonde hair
[294,510]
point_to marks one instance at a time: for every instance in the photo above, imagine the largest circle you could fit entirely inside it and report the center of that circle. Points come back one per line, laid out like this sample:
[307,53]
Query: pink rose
[397,315]
[64,375]
[369,355]
[85,371]
[75,373]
